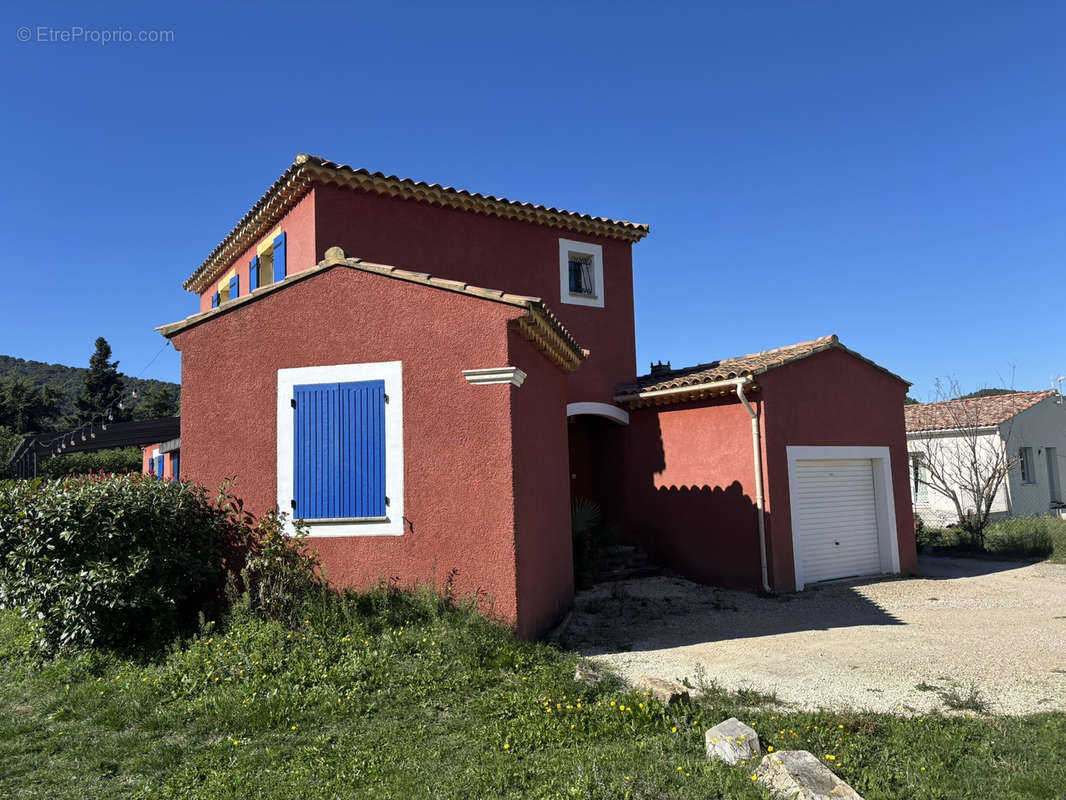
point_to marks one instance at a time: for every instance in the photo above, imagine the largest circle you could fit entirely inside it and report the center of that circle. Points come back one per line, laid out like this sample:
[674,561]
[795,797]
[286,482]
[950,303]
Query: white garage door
[835,518]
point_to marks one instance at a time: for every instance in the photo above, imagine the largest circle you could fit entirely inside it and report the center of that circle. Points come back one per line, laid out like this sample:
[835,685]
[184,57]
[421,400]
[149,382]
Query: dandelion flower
[507,746]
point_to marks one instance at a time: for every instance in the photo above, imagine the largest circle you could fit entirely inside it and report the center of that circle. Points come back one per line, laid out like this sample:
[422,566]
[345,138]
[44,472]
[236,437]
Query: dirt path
[889,645]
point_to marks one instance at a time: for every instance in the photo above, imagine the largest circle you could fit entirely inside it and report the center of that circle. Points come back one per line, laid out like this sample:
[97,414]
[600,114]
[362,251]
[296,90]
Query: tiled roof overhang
[307,170]
[719,378]
[539,325]
[971,413]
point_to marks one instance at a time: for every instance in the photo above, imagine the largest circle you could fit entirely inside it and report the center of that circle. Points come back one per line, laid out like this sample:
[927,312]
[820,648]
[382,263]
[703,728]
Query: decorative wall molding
[483,377]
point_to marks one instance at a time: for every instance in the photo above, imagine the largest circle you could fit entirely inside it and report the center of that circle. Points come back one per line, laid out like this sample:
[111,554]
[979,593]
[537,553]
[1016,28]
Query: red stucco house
[428,376]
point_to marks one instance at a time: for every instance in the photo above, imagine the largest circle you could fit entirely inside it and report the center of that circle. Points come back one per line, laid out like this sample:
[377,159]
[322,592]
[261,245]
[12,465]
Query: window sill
[332,520]
[585,296]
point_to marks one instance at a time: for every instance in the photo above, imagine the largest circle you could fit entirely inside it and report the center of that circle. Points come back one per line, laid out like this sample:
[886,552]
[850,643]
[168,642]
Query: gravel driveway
[999,627]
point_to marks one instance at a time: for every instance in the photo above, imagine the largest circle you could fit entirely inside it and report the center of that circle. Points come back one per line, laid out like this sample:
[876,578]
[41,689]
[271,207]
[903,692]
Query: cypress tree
[102,387]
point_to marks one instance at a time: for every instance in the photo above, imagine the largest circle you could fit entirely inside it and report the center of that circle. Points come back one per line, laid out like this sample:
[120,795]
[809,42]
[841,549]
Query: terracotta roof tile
[307,170]
[978,412]
[540,325]
[751,364]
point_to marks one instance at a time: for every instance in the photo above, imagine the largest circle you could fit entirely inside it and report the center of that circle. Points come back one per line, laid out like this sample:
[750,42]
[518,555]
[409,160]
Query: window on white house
[919,476]
[1025,461]
[580,273]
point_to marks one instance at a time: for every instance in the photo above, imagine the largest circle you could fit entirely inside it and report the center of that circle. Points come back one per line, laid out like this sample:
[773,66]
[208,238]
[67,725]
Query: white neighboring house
[1022,432]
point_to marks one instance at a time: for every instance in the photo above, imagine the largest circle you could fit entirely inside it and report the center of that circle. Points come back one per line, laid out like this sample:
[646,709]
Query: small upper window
[227,289]
[268,265]
[582,278]
[265,272]
[1025,460]
[581,273]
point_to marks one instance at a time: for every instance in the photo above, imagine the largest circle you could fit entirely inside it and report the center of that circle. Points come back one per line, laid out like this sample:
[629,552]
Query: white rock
[666,692]
[732,742]
[799,775]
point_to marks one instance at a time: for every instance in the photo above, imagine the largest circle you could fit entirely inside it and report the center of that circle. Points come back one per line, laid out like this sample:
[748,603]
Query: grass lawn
[391,696]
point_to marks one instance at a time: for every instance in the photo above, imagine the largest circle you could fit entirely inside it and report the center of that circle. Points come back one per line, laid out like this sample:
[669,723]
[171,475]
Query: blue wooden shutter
[214,300]
[316,455]
[362,450]
[175,474]
[234,287]
[279,257]
[159,466]
[253,275]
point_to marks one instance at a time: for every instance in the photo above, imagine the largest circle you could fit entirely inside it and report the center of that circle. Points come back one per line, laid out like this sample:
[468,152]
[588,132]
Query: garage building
[812,433]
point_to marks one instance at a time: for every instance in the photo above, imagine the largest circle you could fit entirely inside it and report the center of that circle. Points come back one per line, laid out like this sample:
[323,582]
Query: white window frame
[884,499]
[595,251]
[392,373]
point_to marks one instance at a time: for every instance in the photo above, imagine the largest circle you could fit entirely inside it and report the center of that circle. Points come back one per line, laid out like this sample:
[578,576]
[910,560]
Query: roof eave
[539,325]
[832,343]
[918,434]
[306,171]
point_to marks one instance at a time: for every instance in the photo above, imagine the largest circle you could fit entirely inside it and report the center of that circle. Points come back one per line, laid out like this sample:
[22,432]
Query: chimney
[660,369]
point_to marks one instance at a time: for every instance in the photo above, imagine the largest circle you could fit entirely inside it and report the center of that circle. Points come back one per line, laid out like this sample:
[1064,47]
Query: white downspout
[756,447]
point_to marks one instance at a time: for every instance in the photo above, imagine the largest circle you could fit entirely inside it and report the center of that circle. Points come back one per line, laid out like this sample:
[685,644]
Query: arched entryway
[597,439]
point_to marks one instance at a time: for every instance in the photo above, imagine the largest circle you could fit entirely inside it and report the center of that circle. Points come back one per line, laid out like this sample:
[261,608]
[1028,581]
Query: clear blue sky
[893,172]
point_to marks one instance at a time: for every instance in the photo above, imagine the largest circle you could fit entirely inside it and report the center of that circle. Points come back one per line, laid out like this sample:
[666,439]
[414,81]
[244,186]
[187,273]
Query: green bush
[279,572]
[114,561]
[926,536]
[1026,536]
[117,462]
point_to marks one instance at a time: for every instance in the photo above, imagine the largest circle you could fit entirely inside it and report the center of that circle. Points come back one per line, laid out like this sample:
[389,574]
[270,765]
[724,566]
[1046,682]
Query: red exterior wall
[690,494]
[541,490]
[517,257]
[299,228]
[690,490]
[460,503]
[833,399]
